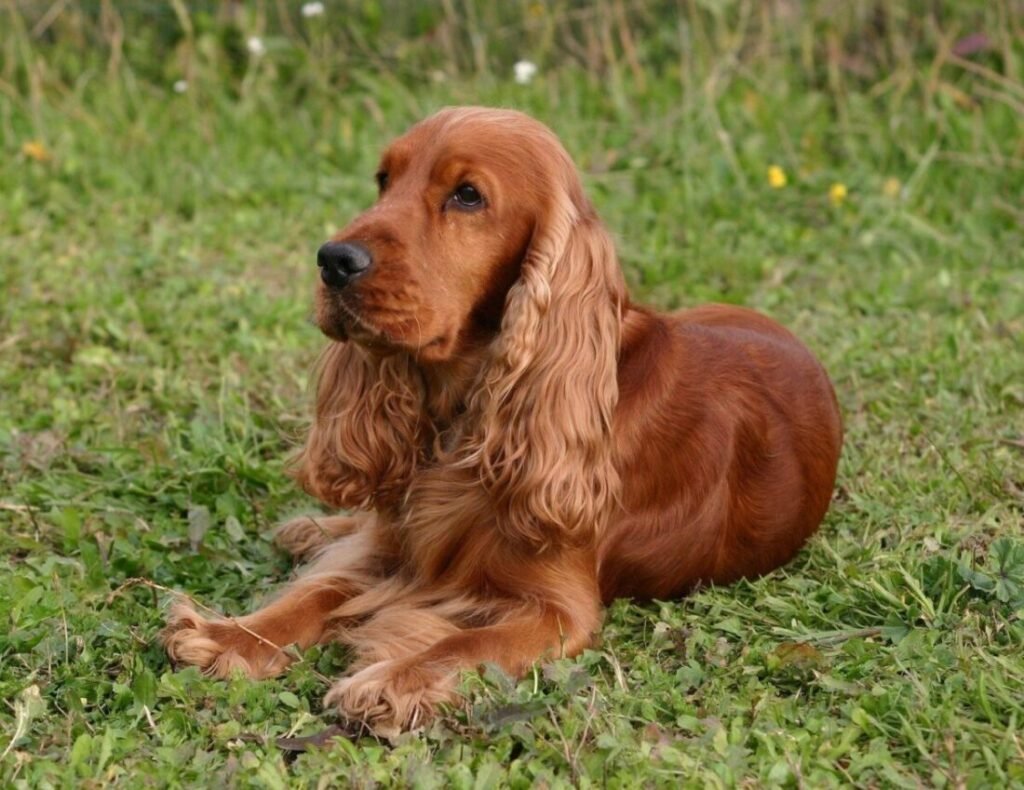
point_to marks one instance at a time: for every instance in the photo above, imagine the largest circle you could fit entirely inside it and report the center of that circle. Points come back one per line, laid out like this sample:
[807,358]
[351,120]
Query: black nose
[341,262]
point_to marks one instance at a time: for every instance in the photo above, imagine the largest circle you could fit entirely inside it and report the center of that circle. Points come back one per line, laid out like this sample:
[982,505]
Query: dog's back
[738,466]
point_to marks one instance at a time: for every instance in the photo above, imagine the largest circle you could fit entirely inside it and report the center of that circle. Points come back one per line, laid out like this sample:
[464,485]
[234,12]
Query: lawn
[855,170]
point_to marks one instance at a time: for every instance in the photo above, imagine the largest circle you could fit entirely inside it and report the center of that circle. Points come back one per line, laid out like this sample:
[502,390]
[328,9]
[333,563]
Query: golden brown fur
[518,442]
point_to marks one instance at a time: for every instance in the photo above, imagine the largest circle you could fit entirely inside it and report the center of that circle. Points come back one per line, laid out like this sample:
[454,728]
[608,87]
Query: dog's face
[427,268]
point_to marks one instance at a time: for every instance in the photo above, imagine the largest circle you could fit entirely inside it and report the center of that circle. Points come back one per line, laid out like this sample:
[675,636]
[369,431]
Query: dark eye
[382,180]
[467,196]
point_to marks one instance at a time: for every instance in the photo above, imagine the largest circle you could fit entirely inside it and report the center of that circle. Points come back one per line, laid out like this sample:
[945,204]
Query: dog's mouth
[345,322]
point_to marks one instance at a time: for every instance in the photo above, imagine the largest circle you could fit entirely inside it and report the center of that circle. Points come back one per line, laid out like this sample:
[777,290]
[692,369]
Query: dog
[516,443]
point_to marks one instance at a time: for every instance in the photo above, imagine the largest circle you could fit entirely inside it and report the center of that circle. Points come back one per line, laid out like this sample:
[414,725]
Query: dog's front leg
[302,615]
[403,692]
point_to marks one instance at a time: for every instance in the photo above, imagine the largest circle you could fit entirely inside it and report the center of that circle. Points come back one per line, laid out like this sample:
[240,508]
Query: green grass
[156,274]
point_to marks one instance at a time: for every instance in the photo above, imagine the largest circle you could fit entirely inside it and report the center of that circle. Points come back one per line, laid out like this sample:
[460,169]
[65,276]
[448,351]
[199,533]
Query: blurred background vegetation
[348,45]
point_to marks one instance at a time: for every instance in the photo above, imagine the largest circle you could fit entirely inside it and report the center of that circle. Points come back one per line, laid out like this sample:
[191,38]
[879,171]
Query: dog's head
[462,197]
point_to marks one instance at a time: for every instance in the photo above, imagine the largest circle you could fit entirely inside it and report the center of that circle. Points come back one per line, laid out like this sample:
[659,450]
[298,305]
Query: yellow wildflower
[776,177]
[837,193]
[891,188]
[34,149]
[751,101]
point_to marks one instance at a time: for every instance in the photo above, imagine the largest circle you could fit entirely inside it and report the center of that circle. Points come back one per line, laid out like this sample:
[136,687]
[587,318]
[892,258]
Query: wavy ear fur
[541,414]
[366,439]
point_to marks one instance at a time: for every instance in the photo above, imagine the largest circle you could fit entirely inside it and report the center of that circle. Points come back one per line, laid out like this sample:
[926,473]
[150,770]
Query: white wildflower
[180,86]
[255,46]
[312,9]
[524,71]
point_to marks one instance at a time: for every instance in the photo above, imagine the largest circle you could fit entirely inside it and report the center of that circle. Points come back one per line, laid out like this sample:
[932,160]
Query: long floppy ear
[541,414]
[366,437]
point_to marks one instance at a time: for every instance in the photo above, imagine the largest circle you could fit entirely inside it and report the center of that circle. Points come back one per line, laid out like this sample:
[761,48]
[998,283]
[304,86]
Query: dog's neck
[447,385]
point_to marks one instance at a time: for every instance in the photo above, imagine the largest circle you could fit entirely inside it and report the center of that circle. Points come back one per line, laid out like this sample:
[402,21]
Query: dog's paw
[303,536]
[219,647]
[392,696]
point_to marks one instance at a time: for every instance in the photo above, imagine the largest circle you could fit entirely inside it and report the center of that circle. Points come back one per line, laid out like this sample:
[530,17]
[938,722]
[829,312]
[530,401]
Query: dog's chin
[342,323]
[344,326]
[333,330]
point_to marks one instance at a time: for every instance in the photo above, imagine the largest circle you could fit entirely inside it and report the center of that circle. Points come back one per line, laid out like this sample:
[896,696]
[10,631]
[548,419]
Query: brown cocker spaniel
[518,443]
